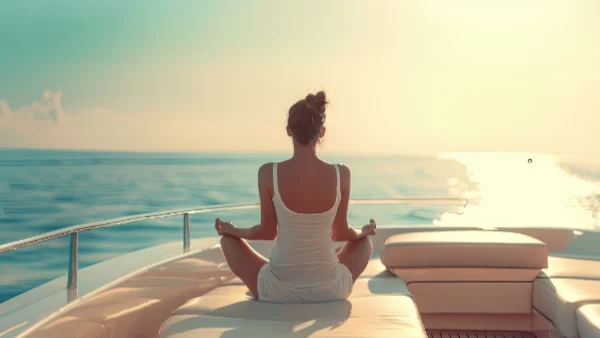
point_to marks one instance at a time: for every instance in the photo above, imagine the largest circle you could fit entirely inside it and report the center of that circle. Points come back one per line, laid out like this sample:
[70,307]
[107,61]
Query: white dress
[304,266]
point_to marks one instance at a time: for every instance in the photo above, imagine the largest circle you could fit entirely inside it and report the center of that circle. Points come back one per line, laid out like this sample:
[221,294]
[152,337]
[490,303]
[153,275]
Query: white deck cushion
[375,268]
[473,249]
[378,307]
[559,298]
[134,308]
[68,326]
[588,321]
[189,326]
[189,267]
[235,301]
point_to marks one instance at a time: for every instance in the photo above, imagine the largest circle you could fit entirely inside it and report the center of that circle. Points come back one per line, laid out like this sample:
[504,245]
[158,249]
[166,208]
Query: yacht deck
[196,295]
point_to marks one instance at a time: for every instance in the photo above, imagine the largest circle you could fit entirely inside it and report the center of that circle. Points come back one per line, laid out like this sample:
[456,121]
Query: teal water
[44,190]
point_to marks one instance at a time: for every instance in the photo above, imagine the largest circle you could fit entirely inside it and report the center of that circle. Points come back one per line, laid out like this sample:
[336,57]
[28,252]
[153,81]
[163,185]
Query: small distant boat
[422,281]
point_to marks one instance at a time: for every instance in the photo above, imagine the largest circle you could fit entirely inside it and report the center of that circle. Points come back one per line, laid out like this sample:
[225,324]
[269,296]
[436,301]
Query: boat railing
[74,231]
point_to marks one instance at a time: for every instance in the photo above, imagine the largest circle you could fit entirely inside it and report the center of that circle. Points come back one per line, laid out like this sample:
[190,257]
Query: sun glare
[512,190]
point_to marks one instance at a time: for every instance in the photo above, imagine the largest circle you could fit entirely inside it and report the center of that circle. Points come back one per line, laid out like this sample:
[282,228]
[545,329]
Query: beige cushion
[473,249]
[556,239]
[412,275]
[559,298]
[465,297]
[377,306]
[571,268]
[588,321]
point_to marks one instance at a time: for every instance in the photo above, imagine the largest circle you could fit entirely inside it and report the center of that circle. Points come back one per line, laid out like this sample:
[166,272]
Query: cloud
[4,108]
[48,107]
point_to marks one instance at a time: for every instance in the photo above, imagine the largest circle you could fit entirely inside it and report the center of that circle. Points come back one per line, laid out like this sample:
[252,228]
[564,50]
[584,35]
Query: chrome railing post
[186,232]
[72,276]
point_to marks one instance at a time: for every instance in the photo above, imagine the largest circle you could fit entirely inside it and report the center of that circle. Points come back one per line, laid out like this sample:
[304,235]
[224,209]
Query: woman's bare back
[307,188]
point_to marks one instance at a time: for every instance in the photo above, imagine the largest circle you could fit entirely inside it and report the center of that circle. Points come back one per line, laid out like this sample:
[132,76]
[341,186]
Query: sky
[411,76]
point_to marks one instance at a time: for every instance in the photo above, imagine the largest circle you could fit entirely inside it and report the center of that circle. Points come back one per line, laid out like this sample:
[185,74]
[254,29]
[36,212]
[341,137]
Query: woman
[307,199]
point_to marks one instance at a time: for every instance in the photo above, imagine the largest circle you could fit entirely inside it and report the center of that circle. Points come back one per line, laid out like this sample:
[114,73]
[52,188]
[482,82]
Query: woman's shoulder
[342,167]
[265,174]
[344,171]
[266,168]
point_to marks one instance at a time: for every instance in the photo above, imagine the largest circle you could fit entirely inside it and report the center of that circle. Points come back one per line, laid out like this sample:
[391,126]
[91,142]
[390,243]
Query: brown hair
[306,118]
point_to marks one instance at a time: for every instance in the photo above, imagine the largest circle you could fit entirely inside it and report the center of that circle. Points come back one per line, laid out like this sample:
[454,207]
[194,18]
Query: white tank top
[303,250]
[304,266]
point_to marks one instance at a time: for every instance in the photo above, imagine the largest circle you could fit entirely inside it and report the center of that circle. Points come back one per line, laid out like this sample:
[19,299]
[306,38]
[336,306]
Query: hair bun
[317,101]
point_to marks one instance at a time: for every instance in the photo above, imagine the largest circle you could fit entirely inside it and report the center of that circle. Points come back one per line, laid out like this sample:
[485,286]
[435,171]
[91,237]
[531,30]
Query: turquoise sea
[44,190]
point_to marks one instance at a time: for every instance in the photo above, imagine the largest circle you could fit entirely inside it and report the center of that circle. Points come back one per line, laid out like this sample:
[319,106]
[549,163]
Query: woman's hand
[224,227]
[369,229]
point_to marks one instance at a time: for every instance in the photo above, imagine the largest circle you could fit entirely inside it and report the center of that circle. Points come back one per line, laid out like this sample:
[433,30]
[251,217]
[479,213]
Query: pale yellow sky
[403,76]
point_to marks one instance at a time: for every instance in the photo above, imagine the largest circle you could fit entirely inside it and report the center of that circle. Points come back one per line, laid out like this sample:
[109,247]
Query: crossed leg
[243,261]
[355,256]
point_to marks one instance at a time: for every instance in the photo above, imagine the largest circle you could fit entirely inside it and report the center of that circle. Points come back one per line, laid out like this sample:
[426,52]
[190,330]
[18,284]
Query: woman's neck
[304,153]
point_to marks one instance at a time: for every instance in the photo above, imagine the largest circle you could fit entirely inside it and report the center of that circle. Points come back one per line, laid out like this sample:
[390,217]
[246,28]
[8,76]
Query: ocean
[44,190]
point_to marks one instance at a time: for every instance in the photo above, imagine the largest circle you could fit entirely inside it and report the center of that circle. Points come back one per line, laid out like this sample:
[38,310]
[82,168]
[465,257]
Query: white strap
[275,185]
[337,174]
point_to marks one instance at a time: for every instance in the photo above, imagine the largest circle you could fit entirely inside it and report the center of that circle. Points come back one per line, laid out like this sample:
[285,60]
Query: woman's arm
[252,233]
[267,229]
[342,231]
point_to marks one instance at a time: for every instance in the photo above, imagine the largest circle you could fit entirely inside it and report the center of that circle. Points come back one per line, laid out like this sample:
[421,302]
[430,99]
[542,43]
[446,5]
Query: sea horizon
[586,160]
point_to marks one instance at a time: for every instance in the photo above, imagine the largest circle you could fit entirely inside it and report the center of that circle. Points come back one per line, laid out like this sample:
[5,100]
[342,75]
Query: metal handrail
[76,229]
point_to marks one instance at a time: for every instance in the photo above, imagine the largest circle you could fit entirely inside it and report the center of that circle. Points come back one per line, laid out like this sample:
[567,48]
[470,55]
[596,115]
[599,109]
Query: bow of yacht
[421,281]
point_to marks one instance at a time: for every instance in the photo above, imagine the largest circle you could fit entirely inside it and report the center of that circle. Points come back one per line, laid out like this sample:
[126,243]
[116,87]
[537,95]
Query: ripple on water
[19,187]
[65,198]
